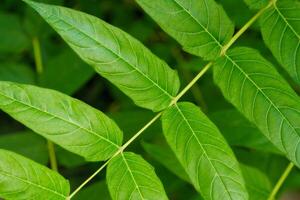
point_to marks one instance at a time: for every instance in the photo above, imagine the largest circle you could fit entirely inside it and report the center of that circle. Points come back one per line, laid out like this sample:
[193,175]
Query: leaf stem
[91,177]
[174,101]
[52,156]
[37,55]
[280,181]
[121,149]
[244,28]
[140,132]
[195,90]
[199,75]
[39,69]
[156,117]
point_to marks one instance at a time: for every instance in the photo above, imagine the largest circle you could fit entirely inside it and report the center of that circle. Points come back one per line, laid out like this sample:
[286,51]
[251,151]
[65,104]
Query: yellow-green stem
[199,75]
[37,55]
[280,181]
[39,69]
[195,90]
[174,101]
[52,156]
[92,176]
[244,28]
[121,149]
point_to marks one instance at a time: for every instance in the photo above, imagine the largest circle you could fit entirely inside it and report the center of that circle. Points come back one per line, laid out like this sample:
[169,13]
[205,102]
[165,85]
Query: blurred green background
[32,53]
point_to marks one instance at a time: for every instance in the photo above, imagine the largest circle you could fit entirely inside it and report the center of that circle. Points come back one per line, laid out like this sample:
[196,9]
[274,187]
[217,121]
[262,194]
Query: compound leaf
[253,85]
[200,26]
[68,122]
[129,176]
[21,178]
[280,27]
[203,152]
[115,55]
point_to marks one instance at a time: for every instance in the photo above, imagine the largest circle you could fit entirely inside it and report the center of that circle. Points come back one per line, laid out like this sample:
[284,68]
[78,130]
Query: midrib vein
[284,19]
[261,91]
[31,183]
[203,27]
[130,172]
[203,149]
[55,116]
[115,54]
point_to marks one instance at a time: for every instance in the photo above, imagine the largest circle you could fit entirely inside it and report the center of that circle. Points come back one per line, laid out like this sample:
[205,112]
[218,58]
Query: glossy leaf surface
[203,152]
[200,26]
[129,176]
[68,122]
[280,27]
[114,54]
[21,178]
[253,85]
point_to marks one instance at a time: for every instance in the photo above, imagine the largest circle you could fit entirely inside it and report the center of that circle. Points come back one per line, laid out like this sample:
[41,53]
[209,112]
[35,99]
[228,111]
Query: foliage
[240,68]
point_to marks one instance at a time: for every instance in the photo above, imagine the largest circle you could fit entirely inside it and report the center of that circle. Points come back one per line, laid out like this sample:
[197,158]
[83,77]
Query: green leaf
[129,176]
[22,178]
[280,27]
[115,55]
[13,38]
[257,183]
[68,122]
[200,26]
[27,144]
[203,152]
[16,72]
[73,73]
[167,158]
[253,85]
[256,4]
[240,132]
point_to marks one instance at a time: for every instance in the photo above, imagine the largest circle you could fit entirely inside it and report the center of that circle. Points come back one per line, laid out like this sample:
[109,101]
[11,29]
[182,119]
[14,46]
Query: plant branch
[39,69]
[121,149]
[280,181]
[37,55]
[244,28]
[52,156]
[174,101]
[187,76]
[92,176]
[197,77]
